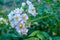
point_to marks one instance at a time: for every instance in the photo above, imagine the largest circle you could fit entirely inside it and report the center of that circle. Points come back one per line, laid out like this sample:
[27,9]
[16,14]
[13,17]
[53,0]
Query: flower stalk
[40,18]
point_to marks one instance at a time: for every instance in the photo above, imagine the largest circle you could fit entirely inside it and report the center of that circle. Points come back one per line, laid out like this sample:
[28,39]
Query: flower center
[33,9]
[23,17]
[21,25]
[25,31]
[16,17]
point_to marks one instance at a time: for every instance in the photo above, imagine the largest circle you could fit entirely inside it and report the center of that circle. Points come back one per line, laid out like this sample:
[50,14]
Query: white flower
[28,2]
[21,30]
[23,4]
[25,31]
[10,16]
[17,10]
[20,27]
[21,10]
[12,24]
[17,18]
[24,17]
[32,10]
[18,30]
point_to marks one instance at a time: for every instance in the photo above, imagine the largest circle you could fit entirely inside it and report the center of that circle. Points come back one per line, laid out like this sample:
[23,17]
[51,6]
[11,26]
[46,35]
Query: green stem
[40,18]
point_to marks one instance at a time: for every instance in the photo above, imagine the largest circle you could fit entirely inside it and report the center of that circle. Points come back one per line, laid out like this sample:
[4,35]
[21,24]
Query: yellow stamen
[21,25]
[25,31]
[33,9]
[16,17]
[23,17]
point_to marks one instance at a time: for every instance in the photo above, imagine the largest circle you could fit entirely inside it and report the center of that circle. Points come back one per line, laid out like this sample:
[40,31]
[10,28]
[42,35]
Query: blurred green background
[49,28]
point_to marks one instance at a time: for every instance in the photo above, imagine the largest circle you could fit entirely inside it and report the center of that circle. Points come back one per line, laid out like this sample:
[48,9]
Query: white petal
[16,10]
[12,24]
[26,17]
[31,6]
[25,31]
[28,2]
[17,20]
[30,10]
[10,16]
[22,24]
[21,10]
[18,30]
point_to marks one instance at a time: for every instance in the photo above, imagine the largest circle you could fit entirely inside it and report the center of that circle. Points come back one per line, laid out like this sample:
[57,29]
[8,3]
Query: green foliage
[33,38]
[56,38]
[48,19]
[38,34]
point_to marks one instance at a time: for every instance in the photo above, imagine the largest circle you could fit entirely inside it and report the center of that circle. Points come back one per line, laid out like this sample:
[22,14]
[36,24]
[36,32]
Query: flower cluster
[18,18]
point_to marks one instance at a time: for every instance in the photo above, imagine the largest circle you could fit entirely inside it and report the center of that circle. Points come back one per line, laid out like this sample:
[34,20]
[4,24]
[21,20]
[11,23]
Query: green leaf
[34,33]
[10,35]
[33,38]
[39,34]
[48,37]
[56,38]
